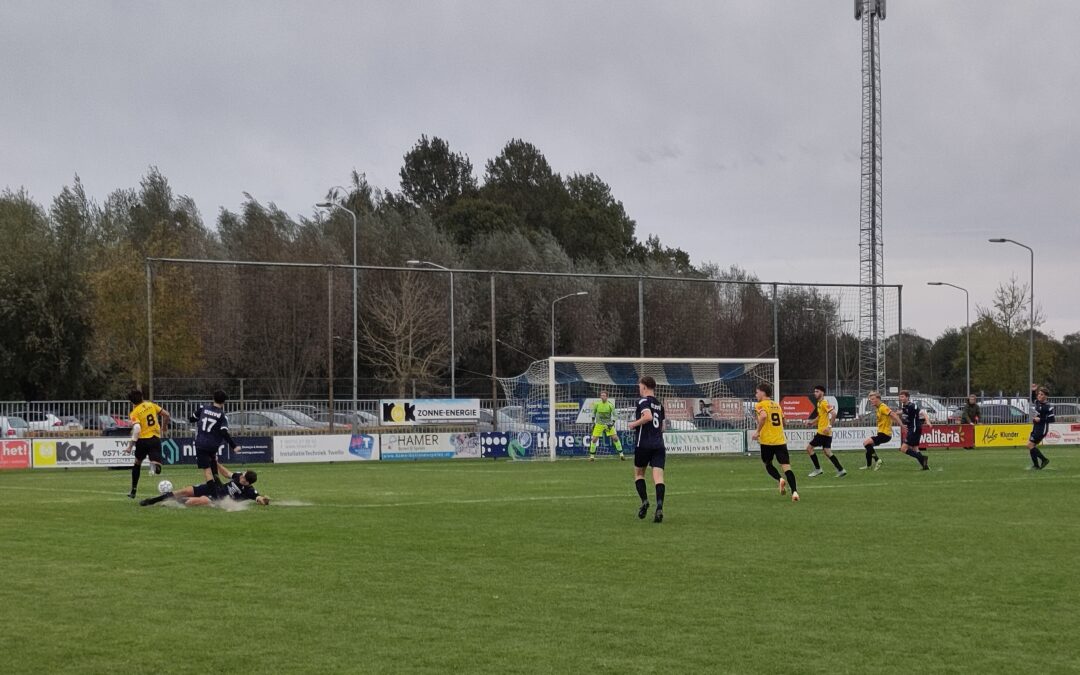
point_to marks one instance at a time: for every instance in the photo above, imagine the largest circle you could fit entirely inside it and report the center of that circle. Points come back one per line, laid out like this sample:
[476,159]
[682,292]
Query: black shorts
[206,457]
[207,490]
[881,439]
[654,457]
[821,441]
[778,452]
[148,447]
[1036,437]
[913,439]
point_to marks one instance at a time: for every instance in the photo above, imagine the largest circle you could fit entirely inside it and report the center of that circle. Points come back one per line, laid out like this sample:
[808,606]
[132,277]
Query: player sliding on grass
[770,434]
[649,448]
[603,416]
[239,488]
[825,413]
[913,418]
[1040,424]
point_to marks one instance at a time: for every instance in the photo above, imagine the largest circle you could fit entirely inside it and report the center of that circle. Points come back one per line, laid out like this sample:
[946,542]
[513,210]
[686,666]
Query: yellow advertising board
[44,453]
[1001,435]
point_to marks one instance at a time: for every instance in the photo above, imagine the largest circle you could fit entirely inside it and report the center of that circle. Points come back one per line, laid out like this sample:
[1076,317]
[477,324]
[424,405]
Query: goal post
[700,394]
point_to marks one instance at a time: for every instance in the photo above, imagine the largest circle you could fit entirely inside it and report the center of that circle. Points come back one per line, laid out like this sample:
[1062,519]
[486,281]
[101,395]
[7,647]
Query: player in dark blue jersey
[912,417]
[211,432]
[649,446]
[1040,425]
[241,487]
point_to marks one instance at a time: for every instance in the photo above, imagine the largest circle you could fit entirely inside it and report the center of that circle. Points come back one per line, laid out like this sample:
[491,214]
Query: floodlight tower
[871,252]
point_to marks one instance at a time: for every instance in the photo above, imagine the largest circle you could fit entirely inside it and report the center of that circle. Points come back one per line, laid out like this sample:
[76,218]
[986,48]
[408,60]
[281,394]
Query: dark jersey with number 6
[651,436]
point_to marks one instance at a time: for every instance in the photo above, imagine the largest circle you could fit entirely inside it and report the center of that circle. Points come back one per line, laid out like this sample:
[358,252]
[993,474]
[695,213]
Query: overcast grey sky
[726,127]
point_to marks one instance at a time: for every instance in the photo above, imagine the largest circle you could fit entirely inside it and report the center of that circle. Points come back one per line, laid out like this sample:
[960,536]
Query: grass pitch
[481,567]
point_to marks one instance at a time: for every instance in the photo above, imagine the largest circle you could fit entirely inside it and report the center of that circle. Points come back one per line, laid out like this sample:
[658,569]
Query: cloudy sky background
[730,128]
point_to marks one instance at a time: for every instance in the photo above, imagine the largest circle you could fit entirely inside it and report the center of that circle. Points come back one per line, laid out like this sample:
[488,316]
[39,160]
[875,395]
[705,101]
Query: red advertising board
[796,407]
[948,436]
[15,454]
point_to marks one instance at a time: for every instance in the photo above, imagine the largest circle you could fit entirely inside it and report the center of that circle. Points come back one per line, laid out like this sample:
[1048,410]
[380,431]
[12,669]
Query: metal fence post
[330,341]
[149,332]
[900,333]
[775,324]
[494,382]
[641,315]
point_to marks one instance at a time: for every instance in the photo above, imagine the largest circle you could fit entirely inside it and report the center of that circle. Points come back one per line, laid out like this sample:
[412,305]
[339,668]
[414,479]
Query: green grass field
[543,567]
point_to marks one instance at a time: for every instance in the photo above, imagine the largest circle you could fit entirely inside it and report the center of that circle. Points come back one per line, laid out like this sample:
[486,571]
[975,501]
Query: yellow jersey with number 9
[884,419]
[772,432]
[148,416]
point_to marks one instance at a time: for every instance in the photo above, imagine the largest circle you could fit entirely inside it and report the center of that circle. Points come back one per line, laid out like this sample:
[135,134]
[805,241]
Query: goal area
[550,405]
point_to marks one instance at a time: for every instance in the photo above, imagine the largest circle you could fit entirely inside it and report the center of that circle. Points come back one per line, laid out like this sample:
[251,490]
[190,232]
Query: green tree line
[73,290]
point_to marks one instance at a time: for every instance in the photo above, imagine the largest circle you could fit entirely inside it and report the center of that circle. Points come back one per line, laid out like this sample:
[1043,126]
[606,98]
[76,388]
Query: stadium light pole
[355,351]
[553,302]
[1031,326]
[453,358]
[967,324]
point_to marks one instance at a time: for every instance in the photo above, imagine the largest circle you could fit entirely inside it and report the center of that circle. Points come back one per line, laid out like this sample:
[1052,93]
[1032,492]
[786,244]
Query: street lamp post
[355,351]
[1031,326]
[570,295]
[453,357]
[967,325]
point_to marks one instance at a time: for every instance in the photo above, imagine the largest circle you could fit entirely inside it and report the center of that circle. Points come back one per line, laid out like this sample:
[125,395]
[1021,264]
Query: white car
[937,411]
[13,427]
[41,421]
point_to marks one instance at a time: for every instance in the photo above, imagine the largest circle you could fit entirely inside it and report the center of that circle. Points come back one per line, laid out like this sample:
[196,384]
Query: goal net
[708,402]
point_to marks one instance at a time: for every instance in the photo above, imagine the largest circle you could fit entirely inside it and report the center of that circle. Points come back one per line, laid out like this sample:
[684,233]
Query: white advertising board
[325,448]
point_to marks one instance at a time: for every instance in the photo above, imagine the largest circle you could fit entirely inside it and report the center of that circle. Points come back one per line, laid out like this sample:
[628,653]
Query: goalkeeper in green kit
[603,416]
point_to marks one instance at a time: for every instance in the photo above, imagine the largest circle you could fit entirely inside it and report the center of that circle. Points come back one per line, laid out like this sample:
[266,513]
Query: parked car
[1066,412]
[937,411]
[12,426]
[303,419]
[106,424]
[122,421]
[71,423]
[507,422]
[1000,413]
[309,410]
[359,419]
[261,419]
[41,421]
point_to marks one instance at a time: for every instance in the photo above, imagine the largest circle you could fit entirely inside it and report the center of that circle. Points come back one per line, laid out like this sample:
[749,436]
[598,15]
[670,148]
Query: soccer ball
[164,486]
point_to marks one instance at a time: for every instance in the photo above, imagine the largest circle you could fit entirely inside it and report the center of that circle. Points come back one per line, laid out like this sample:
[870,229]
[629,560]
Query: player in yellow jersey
[770,433]
[885,419]
[148,419]
[824,413]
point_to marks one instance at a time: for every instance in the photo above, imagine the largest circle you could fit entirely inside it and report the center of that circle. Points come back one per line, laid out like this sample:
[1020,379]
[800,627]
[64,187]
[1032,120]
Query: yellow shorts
[599,430]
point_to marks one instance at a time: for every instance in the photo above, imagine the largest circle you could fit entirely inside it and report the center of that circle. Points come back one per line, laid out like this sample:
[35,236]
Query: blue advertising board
[249,450]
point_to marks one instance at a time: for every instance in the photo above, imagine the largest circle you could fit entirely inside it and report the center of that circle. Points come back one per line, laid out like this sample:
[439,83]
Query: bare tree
[404,330]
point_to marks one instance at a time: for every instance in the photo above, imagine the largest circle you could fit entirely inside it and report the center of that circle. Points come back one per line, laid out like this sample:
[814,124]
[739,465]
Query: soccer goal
[552,402]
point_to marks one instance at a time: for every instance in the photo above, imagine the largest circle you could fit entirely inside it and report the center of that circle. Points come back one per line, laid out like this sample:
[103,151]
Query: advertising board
[417,411]
[326,448]
[15,454]
[405,446]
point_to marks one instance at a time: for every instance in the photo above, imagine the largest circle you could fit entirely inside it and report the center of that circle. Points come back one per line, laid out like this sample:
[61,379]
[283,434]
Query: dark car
[105,424]
[1067,412]
[1001,413]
